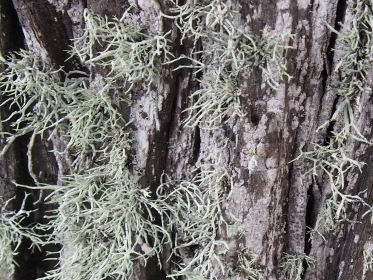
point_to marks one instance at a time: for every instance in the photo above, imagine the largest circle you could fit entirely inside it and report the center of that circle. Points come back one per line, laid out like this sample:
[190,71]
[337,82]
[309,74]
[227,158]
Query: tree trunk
[244,133]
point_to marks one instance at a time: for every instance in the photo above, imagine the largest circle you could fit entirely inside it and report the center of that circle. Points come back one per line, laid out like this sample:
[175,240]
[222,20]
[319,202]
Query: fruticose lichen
[246,261]
[195,216]
[229,49]
[104,221]
[12,234]
[293,265]
[101,213]
[333,158]
[123,49]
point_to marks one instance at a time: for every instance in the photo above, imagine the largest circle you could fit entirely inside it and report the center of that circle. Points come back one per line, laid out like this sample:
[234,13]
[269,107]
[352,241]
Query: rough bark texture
[272,197]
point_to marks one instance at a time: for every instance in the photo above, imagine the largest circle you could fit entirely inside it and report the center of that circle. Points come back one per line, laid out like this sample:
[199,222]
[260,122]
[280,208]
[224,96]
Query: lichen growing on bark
[104,220]
[333,159]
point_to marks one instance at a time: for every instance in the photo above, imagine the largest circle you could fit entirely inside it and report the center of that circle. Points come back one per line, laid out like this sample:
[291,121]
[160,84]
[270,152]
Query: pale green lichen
[246,264]
[293,265]
[333,159]
[107,222]
[42,103]
[104,221]
[33,93]
[325,219]
[368,261]
[123,49]
[10,239]
[196,218]
[228,51]
[11,235]
[217,99]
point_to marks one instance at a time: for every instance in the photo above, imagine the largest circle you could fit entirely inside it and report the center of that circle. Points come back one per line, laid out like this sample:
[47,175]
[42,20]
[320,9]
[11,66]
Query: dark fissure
[341,9]
[311,214]
[312,207]
[330,129]
[31,264]
[340,14]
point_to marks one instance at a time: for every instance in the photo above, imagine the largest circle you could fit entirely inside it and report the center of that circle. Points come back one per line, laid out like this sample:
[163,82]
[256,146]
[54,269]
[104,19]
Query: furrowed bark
[270,202]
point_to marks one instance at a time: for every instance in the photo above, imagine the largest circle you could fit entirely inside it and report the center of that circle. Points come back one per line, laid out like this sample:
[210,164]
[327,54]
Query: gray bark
[273,199]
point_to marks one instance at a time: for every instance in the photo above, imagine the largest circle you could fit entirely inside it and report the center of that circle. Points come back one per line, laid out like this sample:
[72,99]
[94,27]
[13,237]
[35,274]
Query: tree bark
[269,202]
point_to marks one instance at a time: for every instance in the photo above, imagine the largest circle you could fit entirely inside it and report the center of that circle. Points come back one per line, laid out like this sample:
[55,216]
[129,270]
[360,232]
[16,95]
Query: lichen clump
[104,221]
[333,159]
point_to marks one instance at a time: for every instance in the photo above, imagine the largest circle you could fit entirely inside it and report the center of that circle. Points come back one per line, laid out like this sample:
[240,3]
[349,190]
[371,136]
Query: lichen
[293,265]
[105,221]
[11,235]
[246,264]
[196,218]
[332,158]
[229,49]
[102,217]
[368,259]
[123,49]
